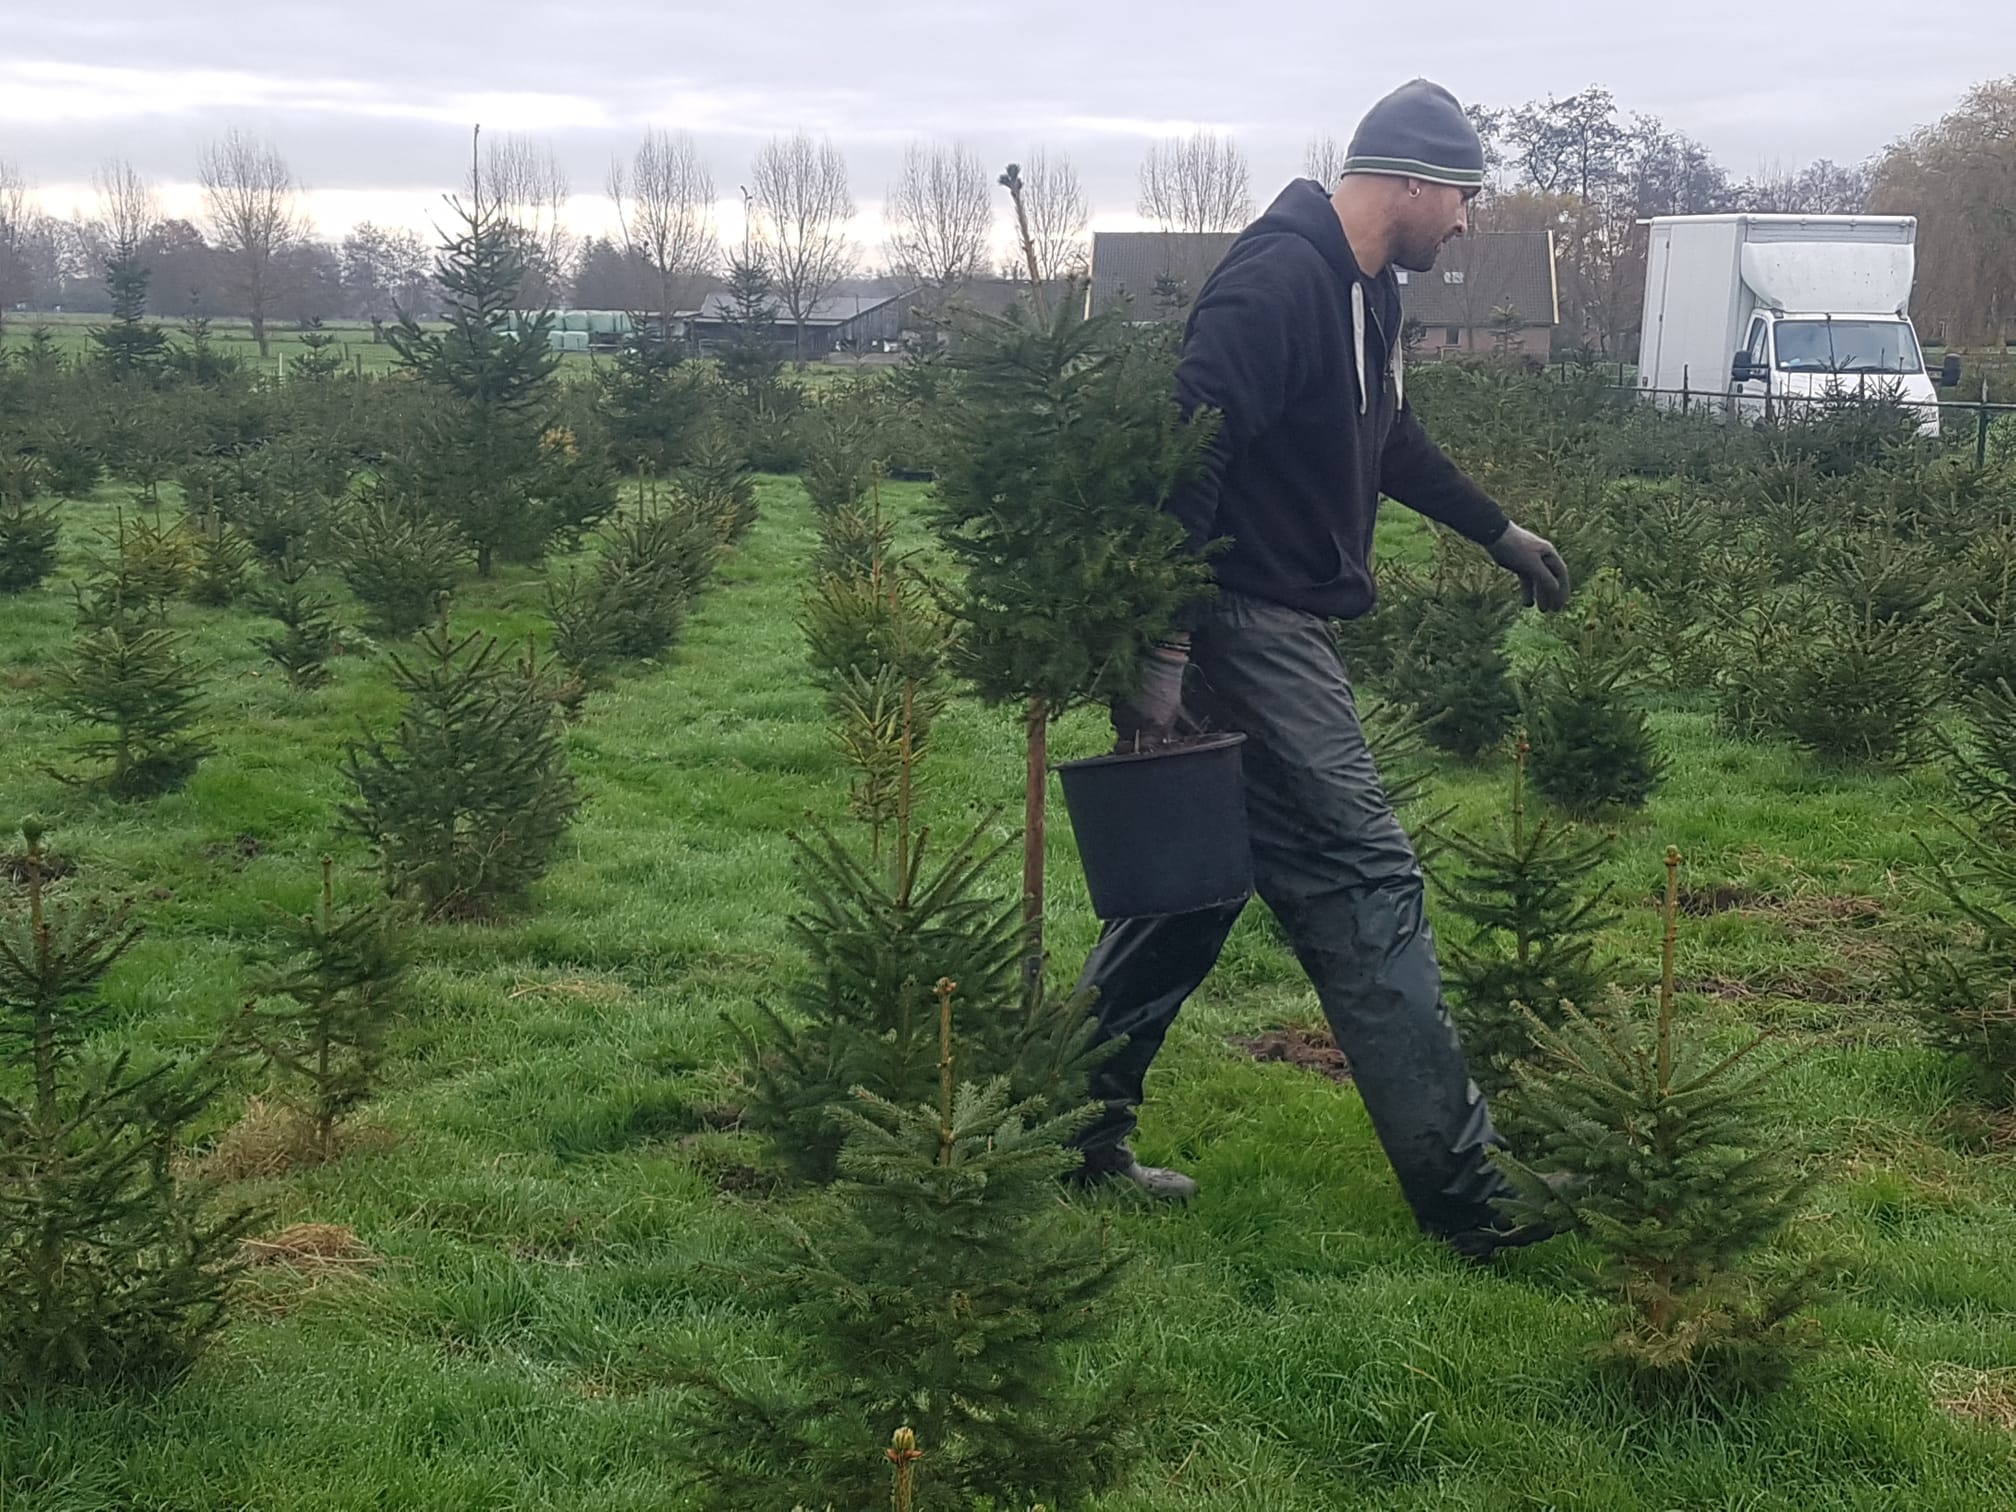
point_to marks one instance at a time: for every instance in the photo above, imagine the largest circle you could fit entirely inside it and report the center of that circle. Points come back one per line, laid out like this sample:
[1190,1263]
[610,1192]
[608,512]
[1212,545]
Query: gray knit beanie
[1419,131]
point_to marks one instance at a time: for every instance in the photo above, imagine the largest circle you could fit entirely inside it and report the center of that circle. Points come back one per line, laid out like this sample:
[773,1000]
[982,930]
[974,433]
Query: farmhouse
[1491,291]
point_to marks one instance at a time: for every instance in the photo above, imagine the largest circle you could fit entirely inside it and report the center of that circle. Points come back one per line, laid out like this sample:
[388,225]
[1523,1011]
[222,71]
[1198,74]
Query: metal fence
[1965,425]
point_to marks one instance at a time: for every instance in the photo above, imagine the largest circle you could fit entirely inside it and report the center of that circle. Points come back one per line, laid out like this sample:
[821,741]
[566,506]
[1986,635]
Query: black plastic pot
[1163,831]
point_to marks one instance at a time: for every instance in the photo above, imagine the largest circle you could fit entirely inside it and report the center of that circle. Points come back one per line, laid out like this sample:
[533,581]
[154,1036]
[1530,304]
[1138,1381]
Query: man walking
[1295,340]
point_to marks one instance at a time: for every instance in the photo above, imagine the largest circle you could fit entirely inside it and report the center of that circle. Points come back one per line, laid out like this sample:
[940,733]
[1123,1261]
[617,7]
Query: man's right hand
[1151,714]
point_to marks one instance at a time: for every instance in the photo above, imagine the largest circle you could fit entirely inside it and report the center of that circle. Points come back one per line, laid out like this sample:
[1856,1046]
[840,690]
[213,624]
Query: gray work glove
[1153,712]
[1543,576]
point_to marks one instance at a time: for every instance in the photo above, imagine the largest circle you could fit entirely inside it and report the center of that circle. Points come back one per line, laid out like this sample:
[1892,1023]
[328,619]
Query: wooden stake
[1034,799]
[1666,968]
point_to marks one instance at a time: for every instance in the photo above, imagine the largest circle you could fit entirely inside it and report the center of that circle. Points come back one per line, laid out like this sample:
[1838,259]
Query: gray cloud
[373,95]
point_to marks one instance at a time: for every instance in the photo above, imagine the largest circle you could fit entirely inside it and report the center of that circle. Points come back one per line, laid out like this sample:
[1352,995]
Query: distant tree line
[1576,165]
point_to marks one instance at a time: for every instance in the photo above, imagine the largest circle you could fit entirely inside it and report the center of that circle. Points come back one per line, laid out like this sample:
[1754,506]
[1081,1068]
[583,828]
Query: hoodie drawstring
[1358,340]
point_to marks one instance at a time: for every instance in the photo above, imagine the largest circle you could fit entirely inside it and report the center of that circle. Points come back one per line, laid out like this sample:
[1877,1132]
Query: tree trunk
[1034,795]
[259,328]
[483,560]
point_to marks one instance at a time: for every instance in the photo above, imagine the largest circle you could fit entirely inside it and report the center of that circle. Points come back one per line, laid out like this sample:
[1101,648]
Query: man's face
[1429,221]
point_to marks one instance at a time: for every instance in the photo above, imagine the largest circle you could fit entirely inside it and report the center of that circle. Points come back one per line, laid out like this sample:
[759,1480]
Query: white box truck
[1758,314]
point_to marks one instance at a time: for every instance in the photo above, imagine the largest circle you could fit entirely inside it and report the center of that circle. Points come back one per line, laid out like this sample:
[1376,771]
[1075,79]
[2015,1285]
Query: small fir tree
[750,361]
[308,635]
[839,463]
[942,1295]
[28,534]
[1592,747]
[220,560]
[131,347]
[631,606]
[325,1006]
[1453,671]
[112,1273]
[1371,645]
[131,683]
[398,561]
[138,568]
[1673,1169]
[654,403]
[321,359]
[1978,626]
[1984,760]
[491,376]
[1049,498]
[1529,892]
[717,473]
[470,797]
[1861,683]
[1963,988]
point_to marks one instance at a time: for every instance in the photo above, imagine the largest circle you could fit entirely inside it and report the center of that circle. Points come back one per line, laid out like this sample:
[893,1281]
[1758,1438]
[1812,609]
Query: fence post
[1981,428]
[1686,390]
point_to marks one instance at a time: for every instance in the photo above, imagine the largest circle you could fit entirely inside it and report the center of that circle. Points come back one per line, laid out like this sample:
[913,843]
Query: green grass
[233,337]
[556,1249]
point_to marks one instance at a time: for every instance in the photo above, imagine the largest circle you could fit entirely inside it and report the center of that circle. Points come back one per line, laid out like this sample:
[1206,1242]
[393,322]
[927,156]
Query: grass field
[72,334]
[555,1242]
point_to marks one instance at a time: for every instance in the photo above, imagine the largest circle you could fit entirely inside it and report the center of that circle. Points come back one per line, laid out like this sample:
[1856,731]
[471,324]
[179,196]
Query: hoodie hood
[1303,209]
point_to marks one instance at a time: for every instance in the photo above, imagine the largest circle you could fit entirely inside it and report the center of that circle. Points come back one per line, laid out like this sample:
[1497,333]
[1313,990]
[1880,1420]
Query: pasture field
[550,1226]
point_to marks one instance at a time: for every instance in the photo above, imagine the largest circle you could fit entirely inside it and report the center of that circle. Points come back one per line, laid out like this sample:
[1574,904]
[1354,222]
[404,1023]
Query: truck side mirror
[1742,370]
[1949,371]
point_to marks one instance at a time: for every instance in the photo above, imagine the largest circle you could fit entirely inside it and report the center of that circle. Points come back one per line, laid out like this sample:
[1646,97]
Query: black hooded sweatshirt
[1300,352]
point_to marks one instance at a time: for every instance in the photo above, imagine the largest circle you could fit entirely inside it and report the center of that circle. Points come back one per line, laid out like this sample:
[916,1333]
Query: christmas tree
[717,473]
[138,569]
[1862,688]
[1529,892]
[338,984]
[655,559]
[470,797]
[307,637]
[1592,747]
[654,403]
[111,1272]
[751,364]
[486,462]
[320,360]
[398,561]
[875,934]
[1664,1152]
[941,1295]
[221,558]
[28,535]
[1453,670]
[130,347]
[1984,761]
[1050,489]
[1963,989]
[132,682]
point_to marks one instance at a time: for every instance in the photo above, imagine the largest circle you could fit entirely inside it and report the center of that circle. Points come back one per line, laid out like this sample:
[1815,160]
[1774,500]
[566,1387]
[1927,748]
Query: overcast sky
[371,101]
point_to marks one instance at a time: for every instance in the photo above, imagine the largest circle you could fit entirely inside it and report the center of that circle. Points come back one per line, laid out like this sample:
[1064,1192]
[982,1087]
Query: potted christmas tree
[1065,443]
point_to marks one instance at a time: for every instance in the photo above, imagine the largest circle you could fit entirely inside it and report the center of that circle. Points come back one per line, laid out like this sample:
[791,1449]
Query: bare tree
[1323,159]
[665,206]
[939,212]
[128,211]
[525,182]
[1058,214]
[20,228]
[803,210]
[255,216]
[1196,183]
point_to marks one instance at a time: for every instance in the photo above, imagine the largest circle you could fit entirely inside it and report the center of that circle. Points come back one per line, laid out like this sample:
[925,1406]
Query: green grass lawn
[557,1242]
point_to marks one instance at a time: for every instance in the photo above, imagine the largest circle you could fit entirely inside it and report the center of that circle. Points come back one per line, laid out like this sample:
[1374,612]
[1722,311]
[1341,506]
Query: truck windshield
[1847,346]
